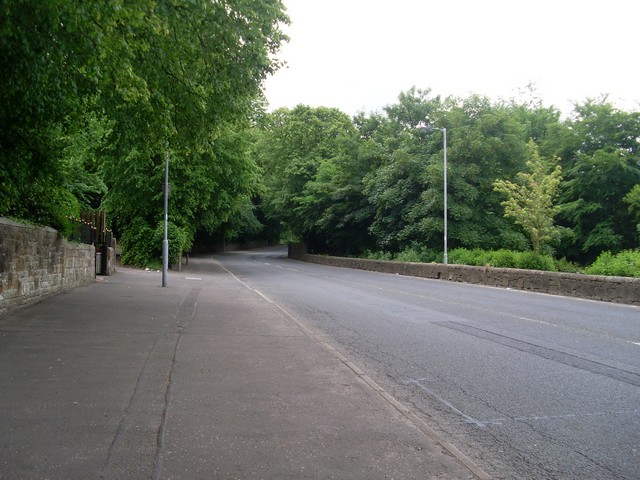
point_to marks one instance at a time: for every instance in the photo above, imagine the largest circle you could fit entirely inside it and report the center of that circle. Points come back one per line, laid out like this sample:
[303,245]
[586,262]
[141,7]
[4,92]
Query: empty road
[527,385]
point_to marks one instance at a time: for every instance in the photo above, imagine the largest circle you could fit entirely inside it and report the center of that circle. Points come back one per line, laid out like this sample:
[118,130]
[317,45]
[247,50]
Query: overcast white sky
[358,55]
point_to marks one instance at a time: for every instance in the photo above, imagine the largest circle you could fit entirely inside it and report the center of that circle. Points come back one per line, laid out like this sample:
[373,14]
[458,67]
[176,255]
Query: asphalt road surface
[527,385]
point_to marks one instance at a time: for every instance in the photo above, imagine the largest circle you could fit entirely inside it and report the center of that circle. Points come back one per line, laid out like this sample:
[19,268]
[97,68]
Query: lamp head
[424,127]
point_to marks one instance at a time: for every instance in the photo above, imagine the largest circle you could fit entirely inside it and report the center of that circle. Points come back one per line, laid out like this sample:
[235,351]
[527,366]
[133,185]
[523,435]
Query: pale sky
[358,55]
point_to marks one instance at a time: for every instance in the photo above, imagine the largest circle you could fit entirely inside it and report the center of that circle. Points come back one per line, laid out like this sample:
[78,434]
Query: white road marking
[467,418]
[538,321]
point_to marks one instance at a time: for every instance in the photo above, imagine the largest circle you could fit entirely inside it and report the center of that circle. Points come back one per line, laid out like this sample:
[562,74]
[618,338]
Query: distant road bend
[527,385]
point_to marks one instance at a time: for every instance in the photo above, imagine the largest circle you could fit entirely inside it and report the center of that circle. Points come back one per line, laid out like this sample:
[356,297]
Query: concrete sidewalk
[204,379]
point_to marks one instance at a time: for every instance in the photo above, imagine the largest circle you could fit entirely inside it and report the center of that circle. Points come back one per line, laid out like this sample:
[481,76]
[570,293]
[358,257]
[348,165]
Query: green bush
[408,255]
[370,255]
[564,265]
[624,264]
[535,261]
[136,245]
[503,259]
[417,254]
[427,255]
[463,256]
[142,246]
[178,239]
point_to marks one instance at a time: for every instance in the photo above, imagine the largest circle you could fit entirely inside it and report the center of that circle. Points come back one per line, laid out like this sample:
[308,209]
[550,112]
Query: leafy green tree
[196,84]
[396,185]
[530,201]
[602,167]
[382,187]
[300,152]
[160,78]
[40,88]
[486,141]
[86,142]
[633,200]
[392,190]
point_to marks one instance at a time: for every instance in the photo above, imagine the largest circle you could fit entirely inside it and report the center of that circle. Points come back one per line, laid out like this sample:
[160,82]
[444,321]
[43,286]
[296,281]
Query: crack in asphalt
[183,317]
[145,400]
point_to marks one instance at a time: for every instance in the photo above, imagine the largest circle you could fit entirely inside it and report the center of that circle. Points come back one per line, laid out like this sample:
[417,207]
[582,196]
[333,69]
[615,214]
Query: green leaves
[305,155]
[94,94]
[600,172]
[384,186]
[530,201]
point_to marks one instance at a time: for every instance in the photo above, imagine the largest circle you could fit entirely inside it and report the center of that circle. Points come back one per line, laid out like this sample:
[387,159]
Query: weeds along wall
[36,262]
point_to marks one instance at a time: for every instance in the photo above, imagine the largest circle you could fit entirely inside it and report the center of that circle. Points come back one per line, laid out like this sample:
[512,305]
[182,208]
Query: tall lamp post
[430,128]
[165,241]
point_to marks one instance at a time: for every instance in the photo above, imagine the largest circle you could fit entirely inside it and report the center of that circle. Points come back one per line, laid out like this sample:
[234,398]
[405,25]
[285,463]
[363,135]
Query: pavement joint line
[395,403]
[157,369]
[183,318]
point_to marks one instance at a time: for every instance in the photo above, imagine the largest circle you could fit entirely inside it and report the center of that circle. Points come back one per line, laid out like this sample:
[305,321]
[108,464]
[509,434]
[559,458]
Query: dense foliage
[623,264]
[520,177]
[95,96]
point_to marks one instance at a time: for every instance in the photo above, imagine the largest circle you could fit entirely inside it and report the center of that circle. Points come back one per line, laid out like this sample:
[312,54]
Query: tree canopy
[95,95]
[530,201]
[375,182]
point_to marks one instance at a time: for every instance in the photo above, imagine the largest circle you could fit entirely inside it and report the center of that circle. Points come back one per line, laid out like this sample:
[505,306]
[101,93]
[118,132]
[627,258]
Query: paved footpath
[203,379]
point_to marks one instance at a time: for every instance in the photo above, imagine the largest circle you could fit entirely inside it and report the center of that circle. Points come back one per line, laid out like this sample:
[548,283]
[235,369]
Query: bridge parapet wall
[593,287]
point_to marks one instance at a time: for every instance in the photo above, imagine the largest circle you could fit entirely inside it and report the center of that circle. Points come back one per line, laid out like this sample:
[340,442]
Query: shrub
[368,254]
[137,245]
[427,255]
[408,255]
[417,254]
[503,259]
[178,239]
[624,264]
[564,265]
[463,256]
[536,261]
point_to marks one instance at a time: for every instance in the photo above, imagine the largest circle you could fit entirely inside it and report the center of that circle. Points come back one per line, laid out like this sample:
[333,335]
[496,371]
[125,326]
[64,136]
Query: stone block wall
[593,287]
[111,261]
[37,261]
[79,265]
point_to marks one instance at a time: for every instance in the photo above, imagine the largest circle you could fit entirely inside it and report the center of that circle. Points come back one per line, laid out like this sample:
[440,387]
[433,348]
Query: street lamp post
[430,128]
[446,253]
[165,241]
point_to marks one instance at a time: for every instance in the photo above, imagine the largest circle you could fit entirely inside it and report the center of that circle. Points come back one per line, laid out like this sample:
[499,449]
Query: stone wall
[37,261]
[594,287]
[106,266]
